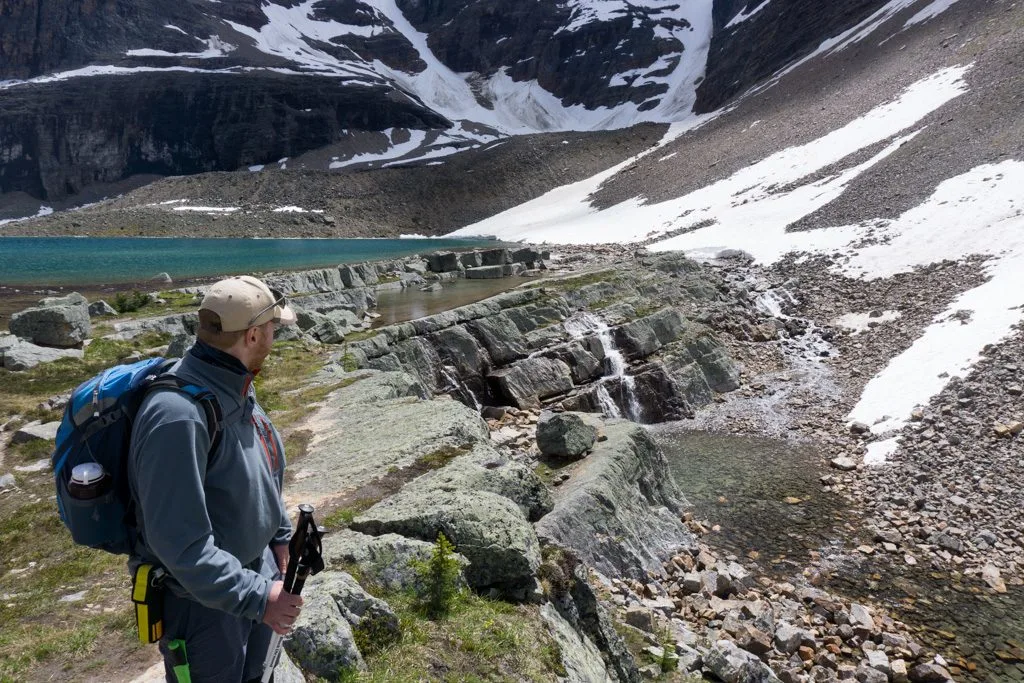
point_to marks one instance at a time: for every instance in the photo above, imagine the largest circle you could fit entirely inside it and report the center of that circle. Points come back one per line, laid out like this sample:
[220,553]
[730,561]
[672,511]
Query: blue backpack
[90,461]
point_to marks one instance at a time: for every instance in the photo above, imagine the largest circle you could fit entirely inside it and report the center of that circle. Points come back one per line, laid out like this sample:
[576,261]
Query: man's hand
[282,609]
[281,555]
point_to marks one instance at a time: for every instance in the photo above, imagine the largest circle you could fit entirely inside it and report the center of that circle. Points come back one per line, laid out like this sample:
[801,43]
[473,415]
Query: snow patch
[43,211]
[208,209]
[748,209]
[743,16]
[861,322]
[930,12]
[215,47]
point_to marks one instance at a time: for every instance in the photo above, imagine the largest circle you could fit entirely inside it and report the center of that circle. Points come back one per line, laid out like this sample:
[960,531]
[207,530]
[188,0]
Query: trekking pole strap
[179,661]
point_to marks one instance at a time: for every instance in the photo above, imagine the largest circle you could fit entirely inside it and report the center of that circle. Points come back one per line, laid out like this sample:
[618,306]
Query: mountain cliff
[98,91]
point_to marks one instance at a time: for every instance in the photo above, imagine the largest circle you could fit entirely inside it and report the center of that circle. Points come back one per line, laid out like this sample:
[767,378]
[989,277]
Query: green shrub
[438,585]
[348,361]
[126,302]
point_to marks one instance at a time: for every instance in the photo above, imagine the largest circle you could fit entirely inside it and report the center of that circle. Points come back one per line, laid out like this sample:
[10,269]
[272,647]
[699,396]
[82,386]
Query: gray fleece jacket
[208,518]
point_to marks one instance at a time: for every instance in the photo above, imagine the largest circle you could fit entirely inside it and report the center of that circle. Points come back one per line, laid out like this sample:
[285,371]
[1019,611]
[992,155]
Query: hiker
[211,514]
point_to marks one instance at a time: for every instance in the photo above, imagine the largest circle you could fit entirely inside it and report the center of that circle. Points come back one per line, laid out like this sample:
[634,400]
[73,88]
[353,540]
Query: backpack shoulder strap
[203,396]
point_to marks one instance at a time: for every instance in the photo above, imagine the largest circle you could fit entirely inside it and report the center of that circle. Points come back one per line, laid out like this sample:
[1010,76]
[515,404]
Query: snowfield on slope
[980,212]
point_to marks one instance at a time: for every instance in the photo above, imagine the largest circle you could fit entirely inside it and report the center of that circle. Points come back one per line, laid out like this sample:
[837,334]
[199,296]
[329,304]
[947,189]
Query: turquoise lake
[111,260]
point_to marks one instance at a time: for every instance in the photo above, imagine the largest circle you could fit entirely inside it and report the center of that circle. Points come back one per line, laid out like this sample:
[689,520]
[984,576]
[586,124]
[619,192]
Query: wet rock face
[52,146]
[532,347]
[756,48]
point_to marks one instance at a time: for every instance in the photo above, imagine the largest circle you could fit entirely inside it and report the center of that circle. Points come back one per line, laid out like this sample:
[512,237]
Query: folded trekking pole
[305,558]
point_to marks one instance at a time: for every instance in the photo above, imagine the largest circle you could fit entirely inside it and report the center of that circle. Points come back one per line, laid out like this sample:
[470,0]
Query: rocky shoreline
[601,535]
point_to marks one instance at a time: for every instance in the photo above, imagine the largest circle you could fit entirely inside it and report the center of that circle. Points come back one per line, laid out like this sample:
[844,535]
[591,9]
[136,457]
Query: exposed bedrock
[641,354]
[779,32]
[176,123]
[620,510]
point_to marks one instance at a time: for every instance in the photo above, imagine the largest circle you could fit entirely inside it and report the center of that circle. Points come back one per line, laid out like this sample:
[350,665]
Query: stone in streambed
[564,434]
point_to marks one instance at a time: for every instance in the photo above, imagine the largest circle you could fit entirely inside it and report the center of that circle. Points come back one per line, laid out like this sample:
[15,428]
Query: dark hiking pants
[221,648]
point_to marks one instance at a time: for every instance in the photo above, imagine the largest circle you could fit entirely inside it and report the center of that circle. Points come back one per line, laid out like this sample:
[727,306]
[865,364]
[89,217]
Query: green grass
[21,392]
[174,302]
[360,335]
[577,281]
[480,640]
[40,563]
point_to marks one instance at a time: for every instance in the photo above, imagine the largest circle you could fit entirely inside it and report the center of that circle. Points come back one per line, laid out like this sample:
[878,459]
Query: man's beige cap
[243,302]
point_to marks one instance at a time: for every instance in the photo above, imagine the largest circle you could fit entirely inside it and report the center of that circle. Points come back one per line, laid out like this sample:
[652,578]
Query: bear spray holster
[148,596]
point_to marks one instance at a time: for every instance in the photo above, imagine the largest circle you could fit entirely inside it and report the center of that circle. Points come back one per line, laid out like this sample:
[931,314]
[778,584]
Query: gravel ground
[427,200]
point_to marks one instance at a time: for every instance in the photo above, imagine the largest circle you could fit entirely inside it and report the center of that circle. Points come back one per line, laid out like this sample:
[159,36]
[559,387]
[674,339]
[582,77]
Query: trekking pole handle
[305,558]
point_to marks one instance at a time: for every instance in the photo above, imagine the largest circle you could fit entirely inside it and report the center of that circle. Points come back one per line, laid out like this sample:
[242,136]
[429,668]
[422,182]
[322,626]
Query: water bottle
[88,481]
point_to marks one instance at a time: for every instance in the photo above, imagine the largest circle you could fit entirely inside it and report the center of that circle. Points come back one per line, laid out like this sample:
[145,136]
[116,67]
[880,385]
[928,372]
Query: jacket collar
[220,372]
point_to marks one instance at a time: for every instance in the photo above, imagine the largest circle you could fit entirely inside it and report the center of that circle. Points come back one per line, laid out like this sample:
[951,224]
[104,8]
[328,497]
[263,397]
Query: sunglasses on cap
[279,300]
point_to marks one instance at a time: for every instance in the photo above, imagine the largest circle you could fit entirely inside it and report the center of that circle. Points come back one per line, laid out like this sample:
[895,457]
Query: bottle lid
[87,473]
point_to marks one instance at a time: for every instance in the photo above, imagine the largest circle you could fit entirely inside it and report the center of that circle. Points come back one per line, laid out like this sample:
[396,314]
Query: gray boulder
[488,272]
[495,257]
[305,281]
[564,434]
[733,665]
[101,308]
[17,354]
[61,326]
[583,364]
[362,431]
[162,278]
[643,337]
[322,642]
[697,348]
[443,262]
[178,323]
[619,510]
[36,431]
[362,611]
[527,255]
[470,259]
[306,319]
[417,267]
[350,277]
[367,272]
[180,345]
[334,325]
[528,381]
[418,357]
[72,299]
[500,336]
[357,300]
[459,348]
[490,530]
[385,560]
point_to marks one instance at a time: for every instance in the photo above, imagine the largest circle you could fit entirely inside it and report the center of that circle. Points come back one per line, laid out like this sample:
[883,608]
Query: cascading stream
[455,383]
[585,323]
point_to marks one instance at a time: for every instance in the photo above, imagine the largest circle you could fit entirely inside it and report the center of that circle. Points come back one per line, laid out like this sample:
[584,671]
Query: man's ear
[251,336]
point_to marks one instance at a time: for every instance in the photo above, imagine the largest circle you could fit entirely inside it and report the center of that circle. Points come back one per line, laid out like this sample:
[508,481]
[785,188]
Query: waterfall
[455,383]
[608,405]
[585,323]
